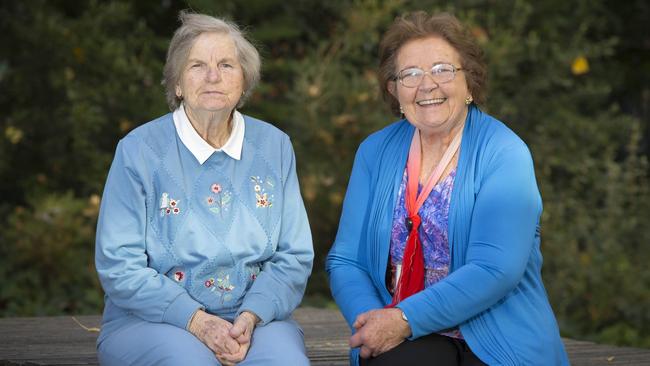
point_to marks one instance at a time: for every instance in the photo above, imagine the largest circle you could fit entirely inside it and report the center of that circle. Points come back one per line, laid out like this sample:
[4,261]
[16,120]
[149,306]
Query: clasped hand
[378,331]
[229,342]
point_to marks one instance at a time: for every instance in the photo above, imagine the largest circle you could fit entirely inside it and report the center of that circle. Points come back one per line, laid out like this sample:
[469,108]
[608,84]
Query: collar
[199,147]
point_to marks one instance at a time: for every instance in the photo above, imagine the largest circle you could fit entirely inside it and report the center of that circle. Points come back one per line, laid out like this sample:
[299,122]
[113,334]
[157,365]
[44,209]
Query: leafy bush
[46,257]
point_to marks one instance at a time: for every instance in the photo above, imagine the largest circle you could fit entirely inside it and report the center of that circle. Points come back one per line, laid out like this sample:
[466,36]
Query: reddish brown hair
[418,25]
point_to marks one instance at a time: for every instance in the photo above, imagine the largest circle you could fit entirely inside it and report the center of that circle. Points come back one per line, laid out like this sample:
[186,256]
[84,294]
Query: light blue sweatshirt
[494,291]
[227,235]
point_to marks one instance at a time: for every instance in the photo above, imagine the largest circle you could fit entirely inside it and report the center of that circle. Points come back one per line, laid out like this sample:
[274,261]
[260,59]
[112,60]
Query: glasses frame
[430,72]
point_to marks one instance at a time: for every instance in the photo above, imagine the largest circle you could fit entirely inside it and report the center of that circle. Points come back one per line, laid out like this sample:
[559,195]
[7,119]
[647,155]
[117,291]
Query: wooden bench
[61,341]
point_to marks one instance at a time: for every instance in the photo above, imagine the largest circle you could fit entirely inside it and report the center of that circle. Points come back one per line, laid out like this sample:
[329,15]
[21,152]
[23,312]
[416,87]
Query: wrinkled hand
[241,331]
[378,331]
[214,332]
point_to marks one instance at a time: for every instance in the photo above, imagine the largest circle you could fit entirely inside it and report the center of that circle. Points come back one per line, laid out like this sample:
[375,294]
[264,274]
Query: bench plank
[61,341]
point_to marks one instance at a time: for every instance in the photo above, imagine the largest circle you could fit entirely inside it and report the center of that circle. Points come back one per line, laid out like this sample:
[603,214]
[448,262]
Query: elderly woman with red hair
[437,258]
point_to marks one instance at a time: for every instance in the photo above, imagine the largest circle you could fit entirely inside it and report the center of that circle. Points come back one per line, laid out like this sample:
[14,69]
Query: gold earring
[469,100]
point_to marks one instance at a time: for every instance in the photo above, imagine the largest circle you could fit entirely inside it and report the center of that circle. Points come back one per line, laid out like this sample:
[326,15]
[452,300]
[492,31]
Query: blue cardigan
[494,291]
[226,235]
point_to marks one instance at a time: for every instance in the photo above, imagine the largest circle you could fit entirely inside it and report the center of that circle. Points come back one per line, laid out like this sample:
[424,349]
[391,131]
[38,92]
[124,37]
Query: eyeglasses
[441,73]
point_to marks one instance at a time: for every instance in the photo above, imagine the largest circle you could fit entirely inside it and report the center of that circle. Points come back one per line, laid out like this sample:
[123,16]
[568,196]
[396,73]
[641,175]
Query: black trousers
[433,349]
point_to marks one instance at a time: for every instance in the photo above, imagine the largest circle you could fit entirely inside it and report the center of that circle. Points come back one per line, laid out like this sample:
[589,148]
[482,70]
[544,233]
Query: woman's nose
[427,82]
[213,74]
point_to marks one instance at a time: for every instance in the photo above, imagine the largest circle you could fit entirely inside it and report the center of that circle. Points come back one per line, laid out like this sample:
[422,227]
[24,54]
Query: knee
[282,358]
[153,344]
[277,344]
[186,358]
[187,351]
[106,358]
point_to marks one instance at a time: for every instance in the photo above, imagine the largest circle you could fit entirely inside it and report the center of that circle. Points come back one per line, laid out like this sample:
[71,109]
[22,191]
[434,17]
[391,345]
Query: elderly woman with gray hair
[203,246]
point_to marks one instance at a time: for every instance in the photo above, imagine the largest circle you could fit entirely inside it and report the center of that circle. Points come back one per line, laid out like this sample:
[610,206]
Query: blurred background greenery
[571,77]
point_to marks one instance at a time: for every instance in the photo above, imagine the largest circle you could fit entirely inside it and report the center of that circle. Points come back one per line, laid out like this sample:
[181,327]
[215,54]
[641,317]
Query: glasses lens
[411,77]
[443,73]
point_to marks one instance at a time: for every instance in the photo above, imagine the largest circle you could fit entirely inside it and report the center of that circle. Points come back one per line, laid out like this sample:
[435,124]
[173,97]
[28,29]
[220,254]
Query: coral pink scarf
[411,280]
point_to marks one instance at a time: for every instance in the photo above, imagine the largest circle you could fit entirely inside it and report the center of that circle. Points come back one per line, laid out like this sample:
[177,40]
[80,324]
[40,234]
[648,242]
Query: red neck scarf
[411,280]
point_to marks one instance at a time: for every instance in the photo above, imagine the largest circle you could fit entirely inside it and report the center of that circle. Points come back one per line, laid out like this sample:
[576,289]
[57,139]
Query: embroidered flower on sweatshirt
[179,275]
[224,284]
[221,285]
[220,200]
[263,191]
[169,205]
[254,270]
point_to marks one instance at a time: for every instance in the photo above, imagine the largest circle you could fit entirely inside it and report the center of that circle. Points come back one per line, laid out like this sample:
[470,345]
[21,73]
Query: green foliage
[336,104]
[46,257]
[76,84]
[571,78]
[595,236]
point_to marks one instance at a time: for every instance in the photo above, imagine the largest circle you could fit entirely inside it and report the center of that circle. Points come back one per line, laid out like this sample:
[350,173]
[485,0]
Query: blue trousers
[134,341]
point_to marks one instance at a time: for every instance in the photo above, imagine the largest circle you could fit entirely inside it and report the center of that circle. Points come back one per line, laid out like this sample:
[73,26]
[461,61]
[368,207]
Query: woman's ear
[392,88]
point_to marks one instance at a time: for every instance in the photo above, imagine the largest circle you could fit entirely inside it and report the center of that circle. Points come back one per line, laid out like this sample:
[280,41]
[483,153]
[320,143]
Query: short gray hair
[193,25]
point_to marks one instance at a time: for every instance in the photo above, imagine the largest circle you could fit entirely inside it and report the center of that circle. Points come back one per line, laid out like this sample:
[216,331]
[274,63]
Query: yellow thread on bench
[91,329]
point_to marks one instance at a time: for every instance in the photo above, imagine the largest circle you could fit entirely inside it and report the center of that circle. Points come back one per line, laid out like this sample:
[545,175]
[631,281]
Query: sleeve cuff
[180,311]
[410,314]
[262,307]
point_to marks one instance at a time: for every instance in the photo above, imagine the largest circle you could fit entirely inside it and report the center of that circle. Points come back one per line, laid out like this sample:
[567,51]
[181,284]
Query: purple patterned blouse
[433,234]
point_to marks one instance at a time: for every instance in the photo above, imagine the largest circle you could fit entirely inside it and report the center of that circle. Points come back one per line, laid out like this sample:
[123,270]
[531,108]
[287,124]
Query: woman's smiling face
[431,107]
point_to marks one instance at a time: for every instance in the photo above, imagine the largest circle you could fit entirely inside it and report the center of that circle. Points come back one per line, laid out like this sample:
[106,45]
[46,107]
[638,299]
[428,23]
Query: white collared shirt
[199,147]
